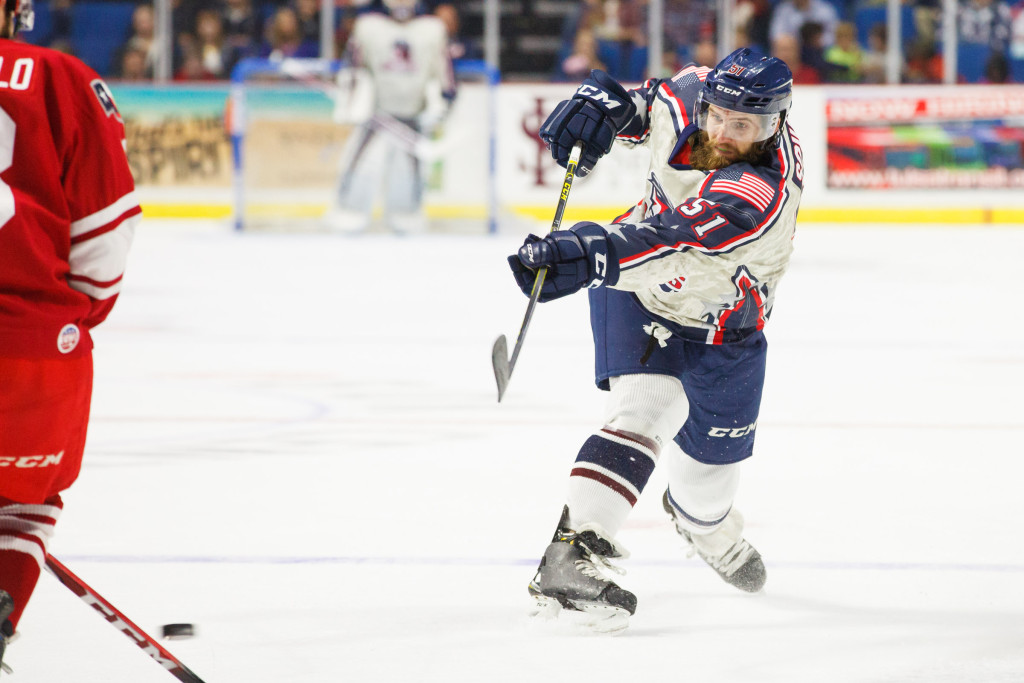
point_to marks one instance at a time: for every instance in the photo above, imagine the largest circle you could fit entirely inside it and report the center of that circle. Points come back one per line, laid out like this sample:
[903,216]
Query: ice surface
[296,446]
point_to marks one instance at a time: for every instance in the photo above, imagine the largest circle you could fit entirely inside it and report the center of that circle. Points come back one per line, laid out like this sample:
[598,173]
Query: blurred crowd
[823,41]
[211,36]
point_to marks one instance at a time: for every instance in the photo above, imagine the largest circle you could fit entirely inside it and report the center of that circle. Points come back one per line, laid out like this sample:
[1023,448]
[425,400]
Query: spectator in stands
[242,29]
[688,22]
[142,40]
[284,37]
[927,15]
[844,58]
[620,26]
[459,46]
[753,18]
[705,53]
[59,37]
[192,67]
[923,63]
[790,15]
[997,69]
[787,48]
[584,57]
[131,65]
[633,21]
[812,48]
[210,43]
[183,23]
[986,22]
[308,13]
[872,62]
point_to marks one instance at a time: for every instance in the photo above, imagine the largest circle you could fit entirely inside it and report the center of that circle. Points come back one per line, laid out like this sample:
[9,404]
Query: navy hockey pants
[723,383]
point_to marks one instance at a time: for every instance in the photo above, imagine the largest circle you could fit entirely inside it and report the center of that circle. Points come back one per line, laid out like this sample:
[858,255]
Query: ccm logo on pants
[29,461]
[733,433]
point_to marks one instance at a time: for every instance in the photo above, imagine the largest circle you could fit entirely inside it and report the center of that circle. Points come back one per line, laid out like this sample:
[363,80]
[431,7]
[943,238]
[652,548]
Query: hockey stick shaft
[504,366]
[119,621]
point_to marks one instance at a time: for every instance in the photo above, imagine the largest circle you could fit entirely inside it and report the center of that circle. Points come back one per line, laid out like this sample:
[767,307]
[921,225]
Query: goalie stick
[503,365]
[122,623]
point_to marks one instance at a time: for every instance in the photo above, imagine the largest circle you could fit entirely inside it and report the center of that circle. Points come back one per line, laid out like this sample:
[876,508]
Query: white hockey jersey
[408,62]
[703,252]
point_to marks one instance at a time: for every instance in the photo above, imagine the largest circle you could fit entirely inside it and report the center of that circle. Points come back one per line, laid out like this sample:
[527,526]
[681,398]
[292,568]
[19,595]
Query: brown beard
[704,157]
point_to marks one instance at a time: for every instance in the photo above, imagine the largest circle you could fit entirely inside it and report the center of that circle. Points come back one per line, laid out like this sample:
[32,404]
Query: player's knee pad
[702,493]
[652,406]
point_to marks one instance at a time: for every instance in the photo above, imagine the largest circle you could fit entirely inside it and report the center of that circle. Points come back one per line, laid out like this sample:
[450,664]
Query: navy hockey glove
[595,114]
[575,258]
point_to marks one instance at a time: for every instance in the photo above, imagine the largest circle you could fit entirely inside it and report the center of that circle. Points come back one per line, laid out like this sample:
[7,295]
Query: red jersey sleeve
[100,193]
[68,208]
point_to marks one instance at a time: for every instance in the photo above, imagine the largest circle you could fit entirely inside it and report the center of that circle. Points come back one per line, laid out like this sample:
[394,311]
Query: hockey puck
[178,631]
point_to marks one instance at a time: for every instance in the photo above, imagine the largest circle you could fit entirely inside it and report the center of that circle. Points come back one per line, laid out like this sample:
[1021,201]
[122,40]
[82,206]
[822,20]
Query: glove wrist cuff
[602,266]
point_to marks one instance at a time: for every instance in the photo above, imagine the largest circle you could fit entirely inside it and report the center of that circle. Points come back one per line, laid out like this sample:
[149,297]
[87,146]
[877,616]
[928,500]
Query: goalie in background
[68,211]
[397,92]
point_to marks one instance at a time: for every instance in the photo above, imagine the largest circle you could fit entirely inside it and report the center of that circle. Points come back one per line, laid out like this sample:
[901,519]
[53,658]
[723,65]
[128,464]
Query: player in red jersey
[68,211]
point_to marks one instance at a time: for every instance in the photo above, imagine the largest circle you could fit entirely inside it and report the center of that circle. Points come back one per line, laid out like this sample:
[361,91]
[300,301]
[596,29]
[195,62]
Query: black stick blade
[499,359]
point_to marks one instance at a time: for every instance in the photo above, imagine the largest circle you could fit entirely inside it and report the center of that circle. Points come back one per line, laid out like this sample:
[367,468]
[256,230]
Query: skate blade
[591,616]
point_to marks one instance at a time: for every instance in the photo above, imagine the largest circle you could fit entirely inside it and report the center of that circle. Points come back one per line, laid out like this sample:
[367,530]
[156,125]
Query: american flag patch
[748,187]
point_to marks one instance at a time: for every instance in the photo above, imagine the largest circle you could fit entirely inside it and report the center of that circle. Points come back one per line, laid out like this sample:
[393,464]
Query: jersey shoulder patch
[106,99]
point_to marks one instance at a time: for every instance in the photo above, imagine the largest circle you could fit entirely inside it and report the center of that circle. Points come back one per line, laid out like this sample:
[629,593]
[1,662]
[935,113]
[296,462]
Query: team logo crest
[68,338]
[106,99]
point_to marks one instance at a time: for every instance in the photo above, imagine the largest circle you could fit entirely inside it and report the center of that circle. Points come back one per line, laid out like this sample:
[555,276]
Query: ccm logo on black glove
[599,96]
[598,110]
[575,258]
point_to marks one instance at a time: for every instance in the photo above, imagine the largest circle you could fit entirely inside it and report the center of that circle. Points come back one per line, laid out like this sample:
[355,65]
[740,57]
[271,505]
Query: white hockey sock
[702,493]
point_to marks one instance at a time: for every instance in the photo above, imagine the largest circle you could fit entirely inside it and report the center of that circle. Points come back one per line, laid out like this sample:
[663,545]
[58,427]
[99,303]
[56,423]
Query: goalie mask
[751,95]
[24,17]
[401,10]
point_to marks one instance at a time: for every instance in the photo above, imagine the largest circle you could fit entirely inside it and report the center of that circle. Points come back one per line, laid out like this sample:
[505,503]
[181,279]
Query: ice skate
[725,549]
[6,631]
[571,577]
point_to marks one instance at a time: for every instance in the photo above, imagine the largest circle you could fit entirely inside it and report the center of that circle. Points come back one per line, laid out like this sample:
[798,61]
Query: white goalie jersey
[407,63]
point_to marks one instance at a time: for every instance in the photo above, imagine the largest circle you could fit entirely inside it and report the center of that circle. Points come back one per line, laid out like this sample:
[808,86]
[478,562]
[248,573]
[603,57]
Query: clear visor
[739,126]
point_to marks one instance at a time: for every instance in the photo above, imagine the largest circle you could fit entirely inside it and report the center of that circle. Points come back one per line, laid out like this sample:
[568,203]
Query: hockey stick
[411,140]
[122,623]
[503,365]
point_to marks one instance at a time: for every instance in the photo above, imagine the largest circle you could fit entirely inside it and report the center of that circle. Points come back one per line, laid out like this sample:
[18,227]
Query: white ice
[296,445]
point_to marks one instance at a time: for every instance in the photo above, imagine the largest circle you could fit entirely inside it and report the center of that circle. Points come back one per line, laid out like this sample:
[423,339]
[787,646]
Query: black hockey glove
[575,258]
[595,114]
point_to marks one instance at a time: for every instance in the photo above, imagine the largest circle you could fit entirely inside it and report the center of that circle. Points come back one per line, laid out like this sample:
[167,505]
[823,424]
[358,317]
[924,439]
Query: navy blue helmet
[751,83]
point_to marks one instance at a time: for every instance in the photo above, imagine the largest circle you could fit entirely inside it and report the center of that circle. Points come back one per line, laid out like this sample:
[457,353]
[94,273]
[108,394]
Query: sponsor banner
[175,134]
[966,138]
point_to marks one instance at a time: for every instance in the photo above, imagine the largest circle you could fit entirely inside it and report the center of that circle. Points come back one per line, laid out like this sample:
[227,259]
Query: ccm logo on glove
[597,95]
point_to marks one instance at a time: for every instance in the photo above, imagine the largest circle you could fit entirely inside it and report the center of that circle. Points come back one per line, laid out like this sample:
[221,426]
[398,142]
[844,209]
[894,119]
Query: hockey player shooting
[402,59]
[680,288]
[68,211]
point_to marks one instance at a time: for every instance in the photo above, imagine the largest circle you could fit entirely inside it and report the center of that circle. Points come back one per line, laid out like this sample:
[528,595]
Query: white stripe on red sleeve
[128,202]
[98,262]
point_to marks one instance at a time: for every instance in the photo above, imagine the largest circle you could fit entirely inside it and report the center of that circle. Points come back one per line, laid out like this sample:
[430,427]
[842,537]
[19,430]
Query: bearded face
[706,156]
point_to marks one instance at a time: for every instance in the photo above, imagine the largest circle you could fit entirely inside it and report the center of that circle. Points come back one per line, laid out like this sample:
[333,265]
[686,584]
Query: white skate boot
[735,560]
